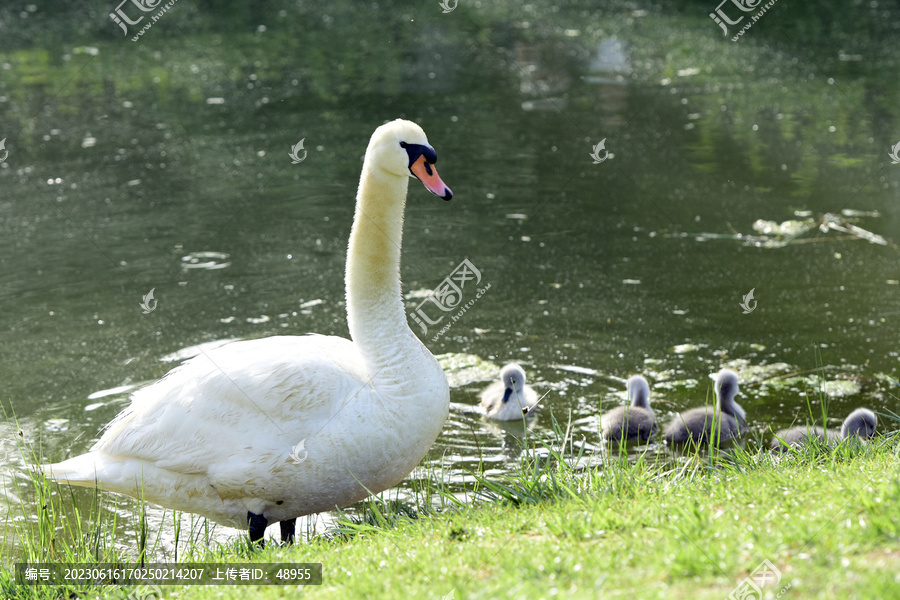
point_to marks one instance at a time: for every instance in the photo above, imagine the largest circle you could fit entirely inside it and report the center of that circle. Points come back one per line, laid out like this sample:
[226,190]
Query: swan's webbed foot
[258,525]
[287,531]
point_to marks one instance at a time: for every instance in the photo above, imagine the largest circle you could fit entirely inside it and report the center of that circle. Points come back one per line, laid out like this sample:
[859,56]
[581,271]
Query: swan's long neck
[374,306]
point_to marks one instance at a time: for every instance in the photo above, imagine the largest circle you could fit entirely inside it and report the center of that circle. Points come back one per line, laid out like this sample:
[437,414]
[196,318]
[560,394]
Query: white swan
[509,399]
[272,429]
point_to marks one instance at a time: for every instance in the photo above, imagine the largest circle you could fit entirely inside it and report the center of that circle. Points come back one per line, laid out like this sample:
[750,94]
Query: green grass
[827,518]
[829,521]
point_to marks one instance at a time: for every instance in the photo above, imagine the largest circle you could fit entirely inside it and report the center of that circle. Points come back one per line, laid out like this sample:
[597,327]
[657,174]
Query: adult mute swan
[860,423]
[268,430]
[509,399]
[633,423]
[709,425]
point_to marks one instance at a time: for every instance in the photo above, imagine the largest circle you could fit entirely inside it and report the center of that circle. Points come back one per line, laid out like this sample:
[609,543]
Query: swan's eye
[414,151]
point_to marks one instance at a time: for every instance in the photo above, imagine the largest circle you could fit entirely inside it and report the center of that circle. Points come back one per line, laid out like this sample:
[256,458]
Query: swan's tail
[99,470]
[80,470]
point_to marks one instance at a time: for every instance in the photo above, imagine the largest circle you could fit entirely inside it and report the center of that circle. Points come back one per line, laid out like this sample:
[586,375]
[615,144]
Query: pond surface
[164,166]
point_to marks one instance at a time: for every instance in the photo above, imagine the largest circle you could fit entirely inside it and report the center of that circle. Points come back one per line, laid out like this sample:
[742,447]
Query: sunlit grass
[580,522]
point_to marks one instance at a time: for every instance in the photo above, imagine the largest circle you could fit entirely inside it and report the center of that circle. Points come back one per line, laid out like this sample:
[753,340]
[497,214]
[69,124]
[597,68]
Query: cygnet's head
[861,422]
[513,378]
[401,148]
[638,391]
[726,390]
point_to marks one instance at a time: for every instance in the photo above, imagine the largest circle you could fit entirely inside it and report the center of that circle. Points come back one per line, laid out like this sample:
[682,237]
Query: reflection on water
[210,261]
[165,166]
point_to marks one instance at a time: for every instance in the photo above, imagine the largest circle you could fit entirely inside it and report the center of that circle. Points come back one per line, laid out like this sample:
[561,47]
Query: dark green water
[130,162]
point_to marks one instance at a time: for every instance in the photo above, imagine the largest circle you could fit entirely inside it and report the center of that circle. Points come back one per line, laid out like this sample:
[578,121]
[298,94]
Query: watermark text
[448,296]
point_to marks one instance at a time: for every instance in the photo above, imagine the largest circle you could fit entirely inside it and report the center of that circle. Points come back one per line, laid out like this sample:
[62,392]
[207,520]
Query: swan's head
[401,148]
[726,390]
[638,391]
[861,422]
[513,378]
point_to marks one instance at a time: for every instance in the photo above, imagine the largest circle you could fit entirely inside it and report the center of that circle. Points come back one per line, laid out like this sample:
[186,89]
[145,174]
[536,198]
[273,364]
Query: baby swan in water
[634,423]
[696,424]
[509,399]
[860,423]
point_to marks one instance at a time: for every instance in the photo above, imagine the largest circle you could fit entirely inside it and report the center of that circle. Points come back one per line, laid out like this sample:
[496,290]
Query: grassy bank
[829,522]
[827,519]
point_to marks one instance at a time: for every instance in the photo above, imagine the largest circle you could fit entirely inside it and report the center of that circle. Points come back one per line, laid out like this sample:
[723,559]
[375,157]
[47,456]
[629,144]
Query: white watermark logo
[448,296]
[601,146]
[148,303]
[751,588]
[746,303]
[6,152]
[722,20]
[299,453]
[122,20]
[445,4]
[895,153]
[295,149]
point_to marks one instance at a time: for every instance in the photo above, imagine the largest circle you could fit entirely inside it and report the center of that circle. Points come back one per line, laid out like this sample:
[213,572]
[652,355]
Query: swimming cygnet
[509,399]
[860,423]
[633,423]
[696,425]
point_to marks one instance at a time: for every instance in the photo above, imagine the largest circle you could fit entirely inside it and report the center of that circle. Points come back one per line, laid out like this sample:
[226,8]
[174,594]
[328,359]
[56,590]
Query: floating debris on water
[210,261]
[784,229]
[838,388]
[779,377]
[576,369]
[772,234]
[685,348]
[464,369]
[849,212]
[837,223]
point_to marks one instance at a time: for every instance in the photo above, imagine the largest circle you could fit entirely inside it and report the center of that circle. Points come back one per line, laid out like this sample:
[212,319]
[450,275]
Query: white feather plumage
[215,436]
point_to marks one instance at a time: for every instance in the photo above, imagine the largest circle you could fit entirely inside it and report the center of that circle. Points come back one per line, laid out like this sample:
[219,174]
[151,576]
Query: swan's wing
[237,398]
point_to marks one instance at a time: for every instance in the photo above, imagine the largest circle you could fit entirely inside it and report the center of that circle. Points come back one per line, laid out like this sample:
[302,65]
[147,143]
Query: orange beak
[428,175]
